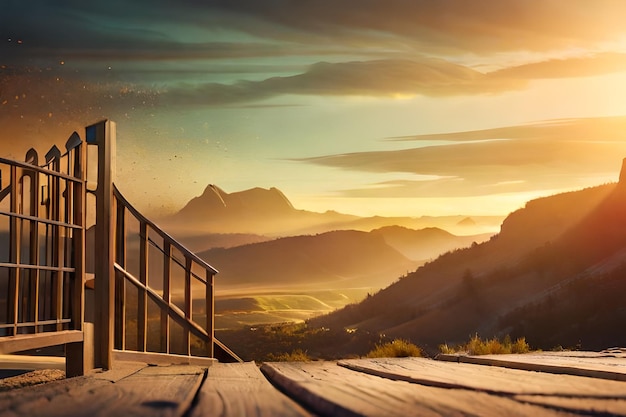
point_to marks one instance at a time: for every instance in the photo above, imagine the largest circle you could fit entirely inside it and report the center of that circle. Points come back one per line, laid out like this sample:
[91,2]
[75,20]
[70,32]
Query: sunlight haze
[387,108]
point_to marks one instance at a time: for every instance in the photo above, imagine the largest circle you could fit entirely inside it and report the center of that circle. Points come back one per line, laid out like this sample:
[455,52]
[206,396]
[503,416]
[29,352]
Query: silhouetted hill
[425,244]
[339,259]
[206,241]
[332,260]
[537,270]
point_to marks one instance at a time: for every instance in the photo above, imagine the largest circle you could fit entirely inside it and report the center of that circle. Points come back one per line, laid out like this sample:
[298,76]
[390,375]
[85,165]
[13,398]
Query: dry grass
[493,346]
[398,348]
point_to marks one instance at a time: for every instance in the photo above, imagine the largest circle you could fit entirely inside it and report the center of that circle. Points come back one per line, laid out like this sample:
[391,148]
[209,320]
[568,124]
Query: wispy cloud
[388,78]
[542,156]
[429,26]
[372,48]
[428,76]
[216,29]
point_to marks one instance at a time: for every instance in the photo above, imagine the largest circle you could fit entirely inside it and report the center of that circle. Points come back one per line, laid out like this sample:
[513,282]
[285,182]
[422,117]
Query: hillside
[425,244]
[332,260]
[546,252]
[340,259]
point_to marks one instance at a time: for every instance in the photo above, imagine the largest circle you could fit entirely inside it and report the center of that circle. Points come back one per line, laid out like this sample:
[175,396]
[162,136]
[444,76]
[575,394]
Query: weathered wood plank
[494,380]
[25,362]
[151,391]
[233,390]
[155,358]
[51,399]
[120,371]
[582,406]
[603,366]
[329,389]
[18,343]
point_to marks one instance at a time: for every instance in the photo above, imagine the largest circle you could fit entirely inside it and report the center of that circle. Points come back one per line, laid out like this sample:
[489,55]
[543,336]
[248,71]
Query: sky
[391,108]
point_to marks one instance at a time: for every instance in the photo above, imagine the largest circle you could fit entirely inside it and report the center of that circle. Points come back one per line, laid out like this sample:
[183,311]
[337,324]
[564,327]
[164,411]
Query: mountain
[339,259]
[243,203]
[332,260]
[269,212]
[553,274]
[255,211]
[425,244]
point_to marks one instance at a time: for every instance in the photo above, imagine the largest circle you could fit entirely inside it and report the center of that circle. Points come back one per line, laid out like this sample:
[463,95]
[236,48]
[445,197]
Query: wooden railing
[153,297]
[164,299]
[153,300]
[42,260]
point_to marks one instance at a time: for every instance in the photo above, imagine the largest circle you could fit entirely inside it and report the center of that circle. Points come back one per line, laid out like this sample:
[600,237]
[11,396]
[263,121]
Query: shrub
[447,350]
[520,346]
[478,346]
[398,348]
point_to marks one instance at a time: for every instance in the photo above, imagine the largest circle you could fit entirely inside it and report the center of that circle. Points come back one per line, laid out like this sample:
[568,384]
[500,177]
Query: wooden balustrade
[153,299]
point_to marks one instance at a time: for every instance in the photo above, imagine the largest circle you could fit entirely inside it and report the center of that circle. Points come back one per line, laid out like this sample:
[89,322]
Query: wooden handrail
[179,315]
[182,316]
[161,232]
[46,276]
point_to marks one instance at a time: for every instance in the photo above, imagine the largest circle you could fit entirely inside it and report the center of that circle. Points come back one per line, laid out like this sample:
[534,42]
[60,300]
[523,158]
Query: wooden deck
[546,386]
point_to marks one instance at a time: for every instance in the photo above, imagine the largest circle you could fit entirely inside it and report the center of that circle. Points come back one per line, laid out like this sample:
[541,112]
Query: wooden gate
[148,298]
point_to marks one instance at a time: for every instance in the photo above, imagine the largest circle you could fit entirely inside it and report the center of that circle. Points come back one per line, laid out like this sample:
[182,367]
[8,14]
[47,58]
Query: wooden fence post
[79,356]
[103,135]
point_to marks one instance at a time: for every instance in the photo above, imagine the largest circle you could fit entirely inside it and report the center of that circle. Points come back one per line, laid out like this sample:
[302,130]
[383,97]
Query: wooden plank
[154,391]
[329,389]
[233,390]
[155,358]
[121,371]
[25,362]
[582,406]
[51,399]
[595,366]
[489,379]
[19,343]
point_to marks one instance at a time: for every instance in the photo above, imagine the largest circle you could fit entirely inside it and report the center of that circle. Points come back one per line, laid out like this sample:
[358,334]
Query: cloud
[390,78]
[216,29]
[380,78]
[598,64]
[395,48]
[436,26]
[543,156]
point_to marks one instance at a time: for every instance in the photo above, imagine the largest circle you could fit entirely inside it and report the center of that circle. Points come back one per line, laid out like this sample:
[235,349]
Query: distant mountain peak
[214,200]
[213,191]
[468,221]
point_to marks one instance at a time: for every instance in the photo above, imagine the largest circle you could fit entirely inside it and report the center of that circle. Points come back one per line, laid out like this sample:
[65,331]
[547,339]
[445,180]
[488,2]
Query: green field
[248,310]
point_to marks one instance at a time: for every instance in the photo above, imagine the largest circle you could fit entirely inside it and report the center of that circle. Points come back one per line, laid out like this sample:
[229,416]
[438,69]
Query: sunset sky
[394,107]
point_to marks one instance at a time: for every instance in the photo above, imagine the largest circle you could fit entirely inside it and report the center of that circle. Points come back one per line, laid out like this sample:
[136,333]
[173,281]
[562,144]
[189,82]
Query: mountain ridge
[544,249]
[333,259]
[268,211]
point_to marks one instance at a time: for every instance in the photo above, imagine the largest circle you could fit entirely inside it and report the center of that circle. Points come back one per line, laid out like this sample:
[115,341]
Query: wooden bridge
[81,267]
